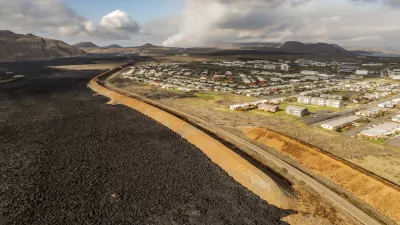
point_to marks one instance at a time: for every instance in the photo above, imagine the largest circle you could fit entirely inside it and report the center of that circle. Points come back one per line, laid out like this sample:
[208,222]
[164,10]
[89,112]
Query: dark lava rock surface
[68,158]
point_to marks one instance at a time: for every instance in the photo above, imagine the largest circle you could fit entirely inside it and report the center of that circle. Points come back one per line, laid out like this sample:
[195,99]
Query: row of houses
[372,113]
[335,103]
[340,123]
[381,130]
[256,104]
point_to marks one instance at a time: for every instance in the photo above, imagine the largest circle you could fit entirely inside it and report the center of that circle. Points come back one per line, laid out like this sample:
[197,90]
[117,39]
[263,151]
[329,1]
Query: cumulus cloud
[119,20]
[53,18]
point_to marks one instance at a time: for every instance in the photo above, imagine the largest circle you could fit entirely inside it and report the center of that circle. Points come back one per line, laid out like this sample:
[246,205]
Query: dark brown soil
[68,158]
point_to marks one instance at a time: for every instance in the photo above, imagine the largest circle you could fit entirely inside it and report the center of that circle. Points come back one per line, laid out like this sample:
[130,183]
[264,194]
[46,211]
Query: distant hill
[114,46]
[361,52]
[242,45]
[318,48]
[85,45]
[15,47]
[148,45]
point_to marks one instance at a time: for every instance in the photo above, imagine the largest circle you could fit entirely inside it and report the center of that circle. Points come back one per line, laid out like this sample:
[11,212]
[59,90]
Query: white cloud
[364,23]
[54,19]
[345,22]
[119,20]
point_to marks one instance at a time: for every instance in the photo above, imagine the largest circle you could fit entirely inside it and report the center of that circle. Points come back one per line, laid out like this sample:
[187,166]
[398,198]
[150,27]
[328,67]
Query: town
[357,99]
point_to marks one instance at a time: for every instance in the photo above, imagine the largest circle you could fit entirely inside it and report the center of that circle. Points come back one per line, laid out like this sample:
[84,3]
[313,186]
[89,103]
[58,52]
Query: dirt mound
[380,195]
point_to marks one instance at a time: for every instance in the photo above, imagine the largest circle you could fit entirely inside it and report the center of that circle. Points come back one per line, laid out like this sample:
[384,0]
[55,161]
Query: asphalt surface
[68,158]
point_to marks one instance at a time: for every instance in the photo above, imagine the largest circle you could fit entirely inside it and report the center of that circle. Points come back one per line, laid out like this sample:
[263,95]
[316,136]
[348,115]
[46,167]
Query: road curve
[237,140]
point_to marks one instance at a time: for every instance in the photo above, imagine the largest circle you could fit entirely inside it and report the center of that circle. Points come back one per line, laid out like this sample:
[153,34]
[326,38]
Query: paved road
[239,141]
[68,158]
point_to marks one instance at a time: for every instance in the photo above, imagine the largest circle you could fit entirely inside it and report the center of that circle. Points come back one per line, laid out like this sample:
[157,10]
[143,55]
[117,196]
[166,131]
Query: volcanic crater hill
[14,47]
[86,45]
[317,48]
[113,46]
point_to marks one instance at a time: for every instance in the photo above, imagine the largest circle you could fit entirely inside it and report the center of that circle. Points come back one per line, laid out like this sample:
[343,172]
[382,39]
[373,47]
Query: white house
[361,72]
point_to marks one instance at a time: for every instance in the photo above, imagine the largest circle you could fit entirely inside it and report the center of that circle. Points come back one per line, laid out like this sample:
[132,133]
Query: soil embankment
[381,195]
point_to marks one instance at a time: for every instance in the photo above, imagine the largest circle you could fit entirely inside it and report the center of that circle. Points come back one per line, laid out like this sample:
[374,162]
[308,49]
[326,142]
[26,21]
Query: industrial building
[381,130]
[340,123]
[347,69]
[296,111]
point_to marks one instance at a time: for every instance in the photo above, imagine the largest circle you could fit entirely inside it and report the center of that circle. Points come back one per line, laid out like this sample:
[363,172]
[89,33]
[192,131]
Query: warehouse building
[296,111]
[381,130]
[340,123]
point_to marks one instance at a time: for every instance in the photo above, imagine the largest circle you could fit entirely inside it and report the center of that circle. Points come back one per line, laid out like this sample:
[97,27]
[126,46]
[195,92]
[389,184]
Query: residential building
[396,118]
[268,108]
[335,103]
[370,112]
[318,101]
[387,104]
[304,99]
[340,123]
[361,72]
[381,130]
[296,111]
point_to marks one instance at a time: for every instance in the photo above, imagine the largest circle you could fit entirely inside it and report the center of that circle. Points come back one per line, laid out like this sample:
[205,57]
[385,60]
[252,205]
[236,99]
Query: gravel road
[68,158]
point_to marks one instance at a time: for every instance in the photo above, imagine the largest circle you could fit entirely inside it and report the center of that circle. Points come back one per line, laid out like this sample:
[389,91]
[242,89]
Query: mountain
[85,45]
[114,46]
[318,48]
[28,47]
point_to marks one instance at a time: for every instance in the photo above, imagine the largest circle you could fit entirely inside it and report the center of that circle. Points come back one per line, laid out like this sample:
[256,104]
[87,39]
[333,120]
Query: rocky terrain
[30,47]
[66,157]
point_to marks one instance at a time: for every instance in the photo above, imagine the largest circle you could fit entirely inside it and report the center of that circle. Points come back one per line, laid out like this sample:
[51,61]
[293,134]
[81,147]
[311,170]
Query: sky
[189,23]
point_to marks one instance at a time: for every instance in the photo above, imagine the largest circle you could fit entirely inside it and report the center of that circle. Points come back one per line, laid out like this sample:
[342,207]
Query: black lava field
[66,157]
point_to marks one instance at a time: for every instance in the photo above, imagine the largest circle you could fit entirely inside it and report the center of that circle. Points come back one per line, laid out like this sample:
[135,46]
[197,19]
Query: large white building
[372,64]
[381,130]
[339,123]
[309,72]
